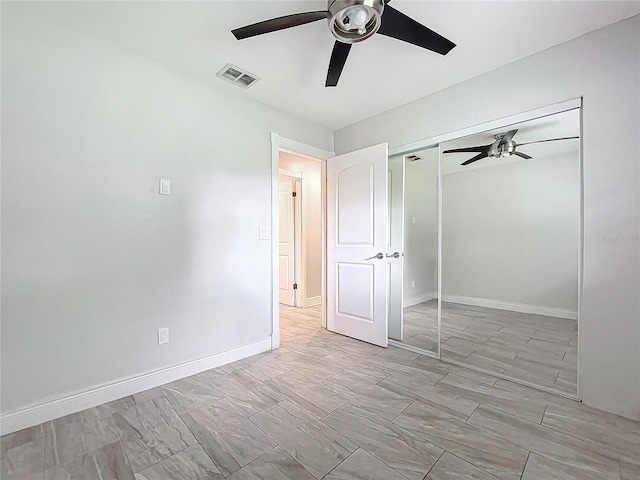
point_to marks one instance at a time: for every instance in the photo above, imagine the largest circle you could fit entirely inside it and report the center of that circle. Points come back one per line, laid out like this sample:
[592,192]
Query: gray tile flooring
[537,349]
[328,407]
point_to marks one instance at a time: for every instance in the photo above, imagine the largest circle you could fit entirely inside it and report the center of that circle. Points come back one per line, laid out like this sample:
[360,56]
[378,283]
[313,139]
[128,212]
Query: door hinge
[295,286]
[294,194]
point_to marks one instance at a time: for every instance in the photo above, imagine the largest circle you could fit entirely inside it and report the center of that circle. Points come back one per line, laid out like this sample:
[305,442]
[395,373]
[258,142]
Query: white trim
[425,297]
[291,173]
[323,241]
[439,294]
[301,247]
[501,122]
[298,148]
[580,250]
[275,239]
[278,144]
[313,301]
[300,276]
[411,348]
[514,307]
[75,402]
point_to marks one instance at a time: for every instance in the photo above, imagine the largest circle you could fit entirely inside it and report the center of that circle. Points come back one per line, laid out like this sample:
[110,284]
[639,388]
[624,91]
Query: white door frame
[279,143]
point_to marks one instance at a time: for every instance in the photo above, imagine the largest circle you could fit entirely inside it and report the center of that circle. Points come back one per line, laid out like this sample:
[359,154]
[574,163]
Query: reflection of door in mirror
[510,251]
[420,260]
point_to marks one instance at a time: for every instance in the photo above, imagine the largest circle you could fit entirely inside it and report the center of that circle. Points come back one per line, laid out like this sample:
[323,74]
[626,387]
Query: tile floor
[535,348]
[326,406]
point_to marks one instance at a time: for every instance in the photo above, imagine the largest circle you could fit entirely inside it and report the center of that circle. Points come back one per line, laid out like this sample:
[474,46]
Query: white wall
[312,218]
[421,237]
[93,259]
[511,233]
[602,67]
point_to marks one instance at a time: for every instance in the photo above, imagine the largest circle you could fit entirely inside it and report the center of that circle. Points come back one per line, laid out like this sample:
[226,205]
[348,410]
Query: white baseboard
[313,301]
[410,302]
[514,307]
[59,407]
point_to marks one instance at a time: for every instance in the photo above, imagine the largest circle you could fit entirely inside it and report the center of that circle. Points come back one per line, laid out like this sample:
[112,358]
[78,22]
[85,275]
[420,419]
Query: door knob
[394,255]
[378,255]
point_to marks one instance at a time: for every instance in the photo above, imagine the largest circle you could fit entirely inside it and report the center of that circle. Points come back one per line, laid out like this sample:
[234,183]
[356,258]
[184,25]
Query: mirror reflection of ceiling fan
[504,146]
[352,21]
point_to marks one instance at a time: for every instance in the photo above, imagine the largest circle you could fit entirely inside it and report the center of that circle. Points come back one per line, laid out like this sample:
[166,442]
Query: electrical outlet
[413,284]
[163,336]
[165,186]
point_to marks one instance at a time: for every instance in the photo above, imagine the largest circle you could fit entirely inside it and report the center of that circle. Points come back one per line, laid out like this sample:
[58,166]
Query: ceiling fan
[503,146]
[352,21]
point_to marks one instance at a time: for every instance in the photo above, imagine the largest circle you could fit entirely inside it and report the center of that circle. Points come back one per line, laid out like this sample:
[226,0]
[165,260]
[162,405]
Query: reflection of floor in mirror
[534,348]
[420,325]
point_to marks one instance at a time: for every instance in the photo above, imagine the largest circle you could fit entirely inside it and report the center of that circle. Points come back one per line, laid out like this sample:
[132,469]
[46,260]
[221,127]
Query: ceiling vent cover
[237,75]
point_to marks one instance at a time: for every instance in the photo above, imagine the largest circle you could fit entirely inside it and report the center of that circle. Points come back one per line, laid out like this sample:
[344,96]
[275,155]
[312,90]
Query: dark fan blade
[507,137]
[397,25]
[279,23]
[475,159]
[550,140]
[523,155]
[480,148]
[336,64]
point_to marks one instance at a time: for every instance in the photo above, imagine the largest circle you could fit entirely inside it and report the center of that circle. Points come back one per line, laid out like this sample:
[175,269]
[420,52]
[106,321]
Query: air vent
[236,75]
[413,158]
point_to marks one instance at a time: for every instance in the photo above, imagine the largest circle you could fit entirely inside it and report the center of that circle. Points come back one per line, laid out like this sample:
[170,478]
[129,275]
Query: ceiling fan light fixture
[352,21]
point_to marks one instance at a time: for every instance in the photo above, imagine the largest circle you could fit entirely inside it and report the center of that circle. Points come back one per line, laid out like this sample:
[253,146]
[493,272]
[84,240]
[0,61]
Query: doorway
[298,226]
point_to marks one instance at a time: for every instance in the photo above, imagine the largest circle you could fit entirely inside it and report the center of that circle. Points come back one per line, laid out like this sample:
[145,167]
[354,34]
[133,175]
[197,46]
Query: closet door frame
[435,141]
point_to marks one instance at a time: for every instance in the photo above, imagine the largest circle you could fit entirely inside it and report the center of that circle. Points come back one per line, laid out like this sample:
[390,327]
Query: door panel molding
[359,221]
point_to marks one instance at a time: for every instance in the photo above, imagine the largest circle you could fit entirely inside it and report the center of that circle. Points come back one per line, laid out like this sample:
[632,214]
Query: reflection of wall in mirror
[421,236]
[511,234]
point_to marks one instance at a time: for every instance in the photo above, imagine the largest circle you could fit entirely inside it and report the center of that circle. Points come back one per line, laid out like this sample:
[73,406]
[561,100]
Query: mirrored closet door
[510,232]
[413,187]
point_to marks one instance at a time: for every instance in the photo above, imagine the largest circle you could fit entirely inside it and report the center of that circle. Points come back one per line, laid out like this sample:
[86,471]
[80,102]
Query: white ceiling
[381,73]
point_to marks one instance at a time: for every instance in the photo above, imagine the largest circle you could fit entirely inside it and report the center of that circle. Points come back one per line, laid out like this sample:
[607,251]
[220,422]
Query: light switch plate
[165,186]
[264,233]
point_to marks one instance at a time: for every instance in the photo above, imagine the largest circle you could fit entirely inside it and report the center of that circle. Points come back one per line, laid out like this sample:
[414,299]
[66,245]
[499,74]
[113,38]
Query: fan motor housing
[505,150]
[352,21]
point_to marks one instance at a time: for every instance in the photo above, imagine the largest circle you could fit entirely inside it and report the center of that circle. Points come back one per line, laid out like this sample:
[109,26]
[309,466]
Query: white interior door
[357,212]
[287,241]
